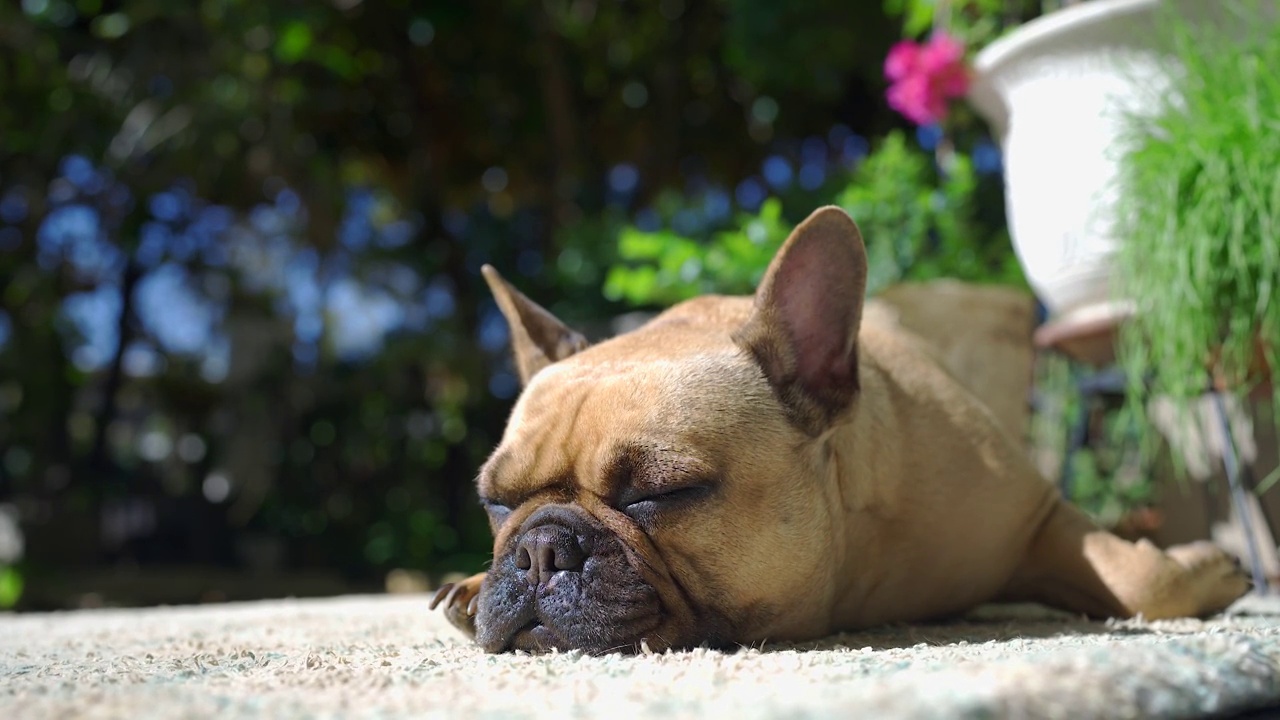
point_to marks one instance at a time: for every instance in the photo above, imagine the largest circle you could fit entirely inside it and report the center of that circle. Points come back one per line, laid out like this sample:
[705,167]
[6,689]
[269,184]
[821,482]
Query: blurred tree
[240,311]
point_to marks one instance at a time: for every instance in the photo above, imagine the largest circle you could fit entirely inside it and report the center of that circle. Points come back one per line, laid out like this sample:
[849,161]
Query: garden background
[245,349]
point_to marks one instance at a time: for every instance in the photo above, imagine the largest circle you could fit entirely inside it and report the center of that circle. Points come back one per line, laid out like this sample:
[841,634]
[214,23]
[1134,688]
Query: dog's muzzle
[564,582]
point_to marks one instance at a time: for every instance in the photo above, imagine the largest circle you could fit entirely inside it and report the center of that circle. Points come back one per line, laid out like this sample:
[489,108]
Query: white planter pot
[1055,92]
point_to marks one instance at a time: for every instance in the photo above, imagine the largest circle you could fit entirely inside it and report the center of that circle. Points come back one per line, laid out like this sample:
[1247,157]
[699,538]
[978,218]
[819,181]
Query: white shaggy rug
[388,657]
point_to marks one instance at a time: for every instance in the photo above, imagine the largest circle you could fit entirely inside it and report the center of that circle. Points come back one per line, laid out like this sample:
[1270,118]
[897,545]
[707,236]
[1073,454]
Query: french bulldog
[772,468]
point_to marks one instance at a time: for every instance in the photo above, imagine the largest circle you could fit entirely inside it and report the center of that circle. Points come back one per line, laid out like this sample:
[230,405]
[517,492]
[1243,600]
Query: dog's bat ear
[538,338]
[803,332]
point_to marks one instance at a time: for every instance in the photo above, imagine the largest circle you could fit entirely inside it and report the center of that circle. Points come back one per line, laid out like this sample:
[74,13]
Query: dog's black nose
[547,549]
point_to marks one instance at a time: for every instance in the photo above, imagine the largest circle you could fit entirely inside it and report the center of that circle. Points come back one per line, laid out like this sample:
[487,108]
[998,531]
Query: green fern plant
[1199,210]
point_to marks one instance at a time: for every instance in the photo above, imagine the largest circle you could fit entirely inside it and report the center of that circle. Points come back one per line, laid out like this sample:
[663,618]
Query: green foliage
[1200,213]
[295,38]
[789,48]
[663,267]
[973,22]
[360,465]
[11,585]
[918,223]
[1107,486]
[1108,478]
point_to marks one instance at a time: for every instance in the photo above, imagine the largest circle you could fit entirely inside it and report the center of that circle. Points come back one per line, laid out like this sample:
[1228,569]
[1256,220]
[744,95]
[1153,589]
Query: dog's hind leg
[1074,565]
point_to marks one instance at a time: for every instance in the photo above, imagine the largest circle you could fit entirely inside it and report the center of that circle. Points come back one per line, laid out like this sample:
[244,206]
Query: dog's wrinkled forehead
[590,427]
[514,477]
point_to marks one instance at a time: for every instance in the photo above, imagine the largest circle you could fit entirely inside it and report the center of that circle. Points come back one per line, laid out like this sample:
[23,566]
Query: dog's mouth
[603,606]
[536,637]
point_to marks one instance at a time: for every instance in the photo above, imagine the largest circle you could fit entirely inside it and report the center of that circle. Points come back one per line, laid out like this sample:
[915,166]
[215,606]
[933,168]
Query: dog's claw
[460,601]
[453,594]
[440,596]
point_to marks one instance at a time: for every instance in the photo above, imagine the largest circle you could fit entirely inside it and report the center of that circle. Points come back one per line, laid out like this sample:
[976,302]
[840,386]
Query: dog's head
[671,485]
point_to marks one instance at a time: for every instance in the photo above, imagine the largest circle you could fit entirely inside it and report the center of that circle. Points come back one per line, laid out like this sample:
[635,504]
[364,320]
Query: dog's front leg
[459,602]
[1075,565]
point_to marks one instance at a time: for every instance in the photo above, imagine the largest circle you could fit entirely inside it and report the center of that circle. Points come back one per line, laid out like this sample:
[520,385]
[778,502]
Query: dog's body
[741,470]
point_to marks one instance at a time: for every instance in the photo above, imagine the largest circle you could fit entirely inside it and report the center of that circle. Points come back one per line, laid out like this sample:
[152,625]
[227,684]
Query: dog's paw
[1211,574]
[458,601]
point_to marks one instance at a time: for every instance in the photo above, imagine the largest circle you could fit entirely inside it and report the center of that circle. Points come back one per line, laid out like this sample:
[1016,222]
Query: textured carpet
[387,656]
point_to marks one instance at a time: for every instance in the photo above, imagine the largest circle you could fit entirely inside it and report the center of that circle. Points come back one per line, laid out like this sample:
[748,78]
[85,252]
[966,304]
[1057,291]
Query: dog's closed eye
[497,511]
[644,504]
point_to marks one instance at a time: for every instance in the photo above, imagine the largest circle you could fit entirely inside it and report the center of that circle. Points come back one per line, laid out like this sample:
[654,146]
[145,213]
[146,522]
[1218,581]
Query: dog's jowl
[774,468]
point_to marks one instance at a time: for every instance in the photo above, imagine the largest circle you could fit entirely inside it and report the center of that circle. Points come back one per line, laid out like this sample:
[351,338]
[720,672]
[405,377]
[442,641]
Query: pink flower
[901,60]
[915,99]
[923,77]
